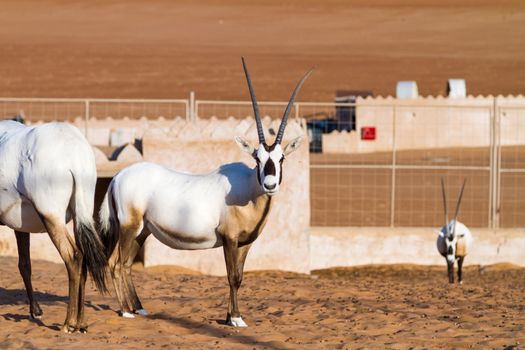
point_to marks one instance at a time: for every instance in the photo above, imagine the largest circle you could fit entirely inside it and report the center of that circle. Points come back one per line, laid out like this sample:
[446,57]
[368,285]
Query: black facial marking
[450,251]
[269,167]
[257,170]
[281,173]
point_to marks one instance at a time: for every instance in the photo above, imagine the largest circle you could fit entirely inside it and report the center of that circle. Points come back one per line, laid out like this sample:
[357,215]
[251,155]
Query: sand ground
[374,307]
[165,49]
[156,49]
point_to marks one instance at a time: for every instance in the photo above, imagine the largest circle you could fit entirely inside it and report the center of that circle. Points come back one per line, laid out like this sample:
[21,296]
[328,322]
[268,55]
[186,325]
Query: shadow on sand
[216,332]
[19,297]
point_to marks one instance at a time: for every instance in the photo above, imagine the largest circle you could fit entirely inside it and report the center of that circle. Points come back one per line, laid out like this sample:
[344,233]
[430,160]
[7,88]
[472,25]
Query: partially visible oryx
[454,240]
[227,207]
[47,178]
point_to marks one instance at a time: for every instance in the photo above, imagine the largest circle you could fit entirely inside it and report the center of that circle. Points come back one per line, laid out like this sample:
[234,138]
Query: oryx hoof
[68,329]
[35,316]
[236,322]
[126,314]
[36,313]
[142,312]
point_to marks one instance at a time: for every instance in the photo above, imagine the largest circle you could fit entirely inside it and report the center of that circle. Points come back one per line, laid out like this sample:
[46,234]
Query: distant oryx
[227,207]
[47,178]
[454,239]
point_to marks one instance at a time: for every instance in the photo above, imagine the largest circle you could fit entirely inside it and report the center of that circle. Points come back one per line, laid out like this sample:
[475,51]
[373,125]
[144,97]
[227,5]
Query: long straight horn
[459,203]
[445,205]
[279,136]
[260,130]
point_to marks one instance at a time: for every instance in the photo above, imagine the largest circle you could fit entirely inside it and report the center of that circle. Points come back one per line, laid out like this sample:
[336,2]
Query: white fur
[443,243]
[179,208]
[237,322]
[184,210]
[41,167]
[142,312]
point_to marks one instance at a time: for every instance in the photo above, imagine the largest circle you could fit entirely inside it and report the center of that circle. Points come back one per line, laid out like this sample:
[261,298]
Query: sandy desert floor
[163,49]
[386,307]
[155,49]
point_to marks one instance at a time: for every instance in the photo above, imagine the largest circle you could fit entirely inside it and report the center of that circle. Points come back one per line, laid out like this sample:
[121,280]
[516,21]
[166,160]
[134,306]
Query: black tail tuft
[109,237]
[90,244]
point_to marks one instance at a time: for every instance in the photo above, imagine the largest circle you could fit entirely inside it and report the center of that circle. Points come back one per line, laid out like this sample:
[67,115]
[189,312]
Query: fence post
[495,166]
[86,117]
[393,183]
[192,116]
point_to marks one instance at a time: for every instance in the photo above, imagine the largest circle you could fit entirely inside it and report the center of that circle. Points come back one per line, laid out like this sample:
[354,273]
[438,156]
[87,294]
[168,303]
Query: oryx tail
[108,222]
[86,237]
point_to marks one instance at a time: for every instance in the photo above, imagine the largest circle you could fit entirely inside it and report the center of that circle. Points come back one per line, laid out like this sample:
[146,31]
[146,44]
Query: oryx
[47,178]
[227,207]
[454,239]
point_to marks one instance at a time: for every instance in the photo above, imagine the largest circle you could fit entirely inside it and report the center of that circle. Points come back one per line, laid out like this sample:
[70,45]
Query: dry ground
[164,49]
[387,307]
[158,49]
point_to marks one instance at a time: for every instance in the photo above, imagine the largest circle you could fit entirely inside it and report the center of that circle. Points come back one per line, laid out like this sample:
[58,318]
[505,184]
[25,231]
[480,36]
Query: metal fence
[71,109]
[397,185]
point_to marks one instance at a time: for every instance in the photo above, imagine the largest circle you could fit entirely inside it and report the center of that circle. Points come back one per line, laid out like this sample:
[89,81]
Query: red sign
[368,133]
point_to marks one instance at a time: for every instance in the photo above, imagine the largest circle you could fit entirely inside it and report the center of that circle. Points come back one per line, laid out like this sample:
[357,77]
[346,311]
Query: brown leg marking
[121,261]
[81,320]
[116,274]
[450,268]
[460,269]
[73,260]
[235,257]
[132,248]
[24,266]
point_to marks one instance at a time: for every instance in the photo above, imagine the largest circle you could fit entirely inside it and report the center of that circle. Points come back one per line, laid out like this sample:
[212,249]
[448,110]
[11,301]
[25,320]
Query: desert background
[164,49]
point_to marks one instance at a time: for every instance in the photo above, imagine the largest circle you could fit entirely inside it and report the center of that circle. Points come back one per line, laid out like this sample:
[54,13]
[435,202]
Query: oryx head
[450,227]
[269,158]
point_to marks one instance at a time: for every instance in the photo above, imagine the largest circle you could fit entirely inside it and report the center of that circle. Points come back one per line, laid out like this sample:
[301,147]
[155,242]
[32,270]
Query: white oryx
[47,178]
[227,207]
[454,240]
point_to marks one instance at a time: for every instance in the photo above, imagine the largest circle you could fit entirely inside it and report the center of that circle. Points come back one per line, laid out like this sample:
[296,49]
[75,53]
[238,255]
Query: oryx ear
[244,145]
[293,145]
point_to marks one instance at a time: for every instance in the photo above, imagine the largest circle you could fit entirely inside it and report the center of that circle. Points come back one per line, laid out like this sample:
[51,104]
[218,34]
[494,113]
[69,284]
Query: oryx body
[185,211]
[454,240]
[227,207]
[48,177]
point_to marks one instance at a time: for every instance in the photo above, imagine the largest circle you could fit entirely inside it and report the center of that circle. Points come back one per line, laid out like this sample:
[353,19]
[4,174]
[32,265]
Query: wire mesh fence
[44,110]
[48,109]
[510,133]
[372,163]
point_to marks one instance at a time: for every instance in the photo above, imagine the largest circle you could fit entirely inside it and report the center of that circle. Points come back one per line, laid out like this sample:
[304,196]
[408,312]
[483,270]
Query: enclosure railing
[396,184]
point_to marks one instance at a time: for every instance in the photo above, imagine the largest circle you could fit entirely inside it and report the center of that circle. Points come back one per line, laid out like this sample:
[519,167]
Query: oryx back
[181,210]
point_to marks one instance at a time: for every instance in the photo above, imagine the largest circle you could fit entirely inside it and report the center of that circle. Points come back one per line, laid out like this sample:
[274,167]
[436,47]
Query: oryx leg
[24,266]
[120,265]
[81,320]
[73,260]
[450,268]
[115,267]
[460,269]
[235,257]
[132,247]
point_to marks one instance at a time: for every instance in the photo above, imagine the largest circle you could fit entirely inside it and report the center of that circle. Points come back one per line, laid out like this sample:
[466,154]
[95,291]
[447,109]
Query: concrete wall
[203,146]
[349,246]
[429,122]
